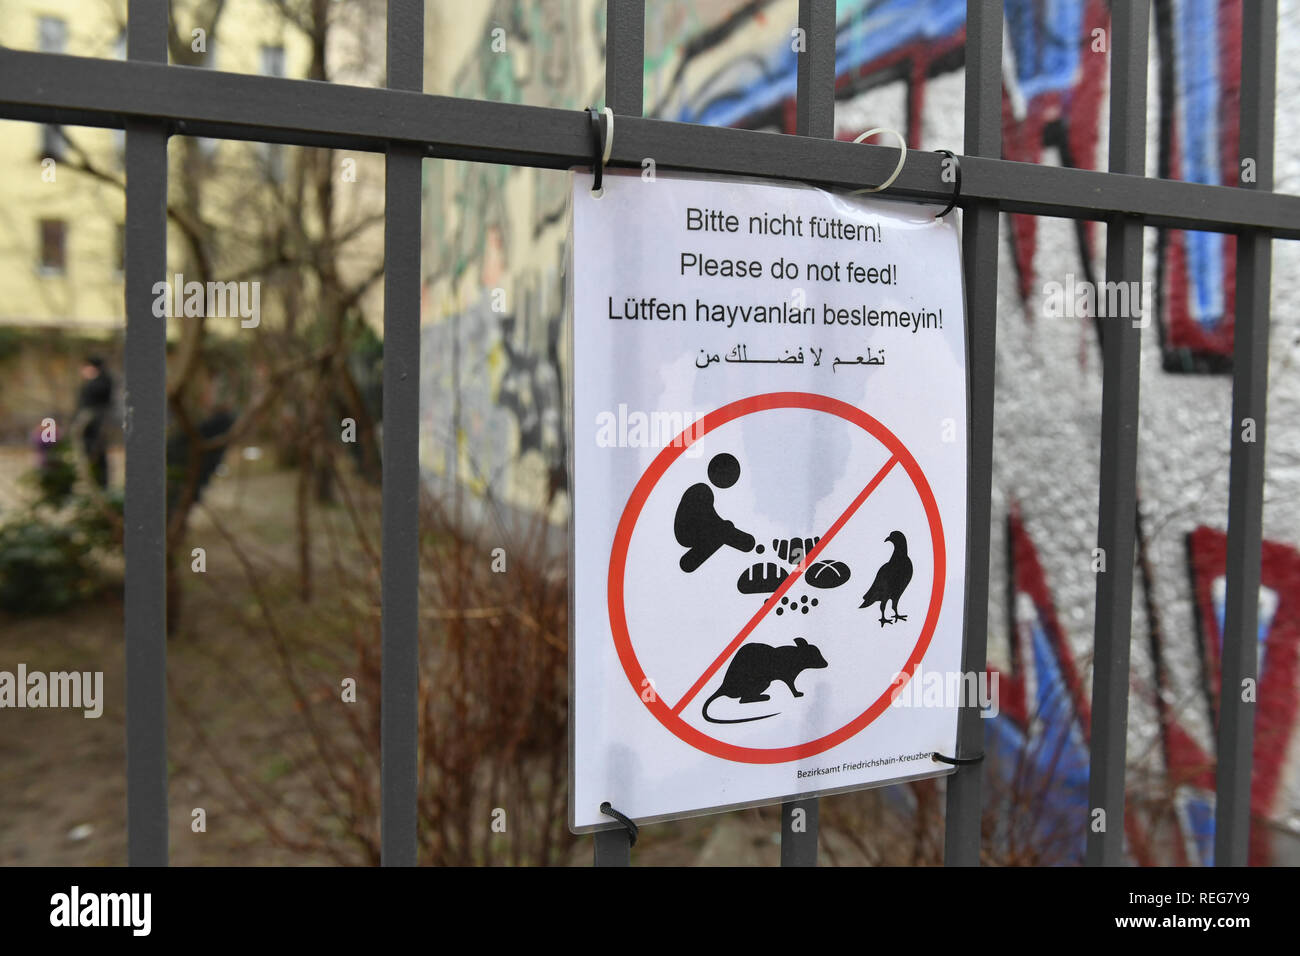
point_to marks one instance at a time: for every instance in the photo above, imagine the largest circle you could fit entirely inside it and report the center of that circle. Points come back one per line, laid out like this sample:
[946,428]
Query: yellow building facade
[62,205]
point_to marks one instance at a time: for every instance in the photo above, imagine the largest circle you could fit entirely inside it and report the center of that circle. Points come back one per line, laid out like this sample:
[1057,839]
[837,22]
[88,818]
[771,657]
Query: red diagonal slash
[788,583]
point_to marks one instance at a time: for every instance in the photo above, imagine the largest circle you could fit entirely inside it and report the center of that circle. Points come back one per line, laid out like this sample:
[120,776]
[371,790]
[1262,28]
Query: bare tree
[273,215]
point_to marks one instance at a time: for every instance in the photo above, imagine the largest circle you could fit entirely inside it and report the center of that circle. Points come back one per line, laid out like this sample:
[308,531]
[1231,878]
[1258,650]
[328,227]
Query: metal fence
[150,100]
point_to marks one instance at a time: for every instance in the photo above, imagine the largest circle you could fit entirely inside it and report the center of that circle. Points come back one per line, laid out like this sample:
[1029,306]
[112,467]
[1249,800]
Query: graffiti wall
[495,374]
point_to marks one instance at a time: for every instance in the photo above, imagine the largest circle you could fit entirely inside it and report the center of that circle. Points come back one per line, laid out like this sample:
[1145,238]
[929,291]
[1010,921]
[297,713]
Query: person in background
[216,424]
[93,402]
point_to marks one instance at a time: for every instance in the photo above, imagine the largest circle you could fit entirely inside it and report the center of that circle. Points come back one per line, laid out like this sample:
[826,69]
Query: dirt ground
[62,776]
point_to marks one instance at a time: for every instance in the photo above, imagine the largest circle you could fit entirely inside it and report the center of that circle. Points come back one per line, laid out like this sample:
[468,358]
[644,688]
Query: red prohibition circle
[623,537]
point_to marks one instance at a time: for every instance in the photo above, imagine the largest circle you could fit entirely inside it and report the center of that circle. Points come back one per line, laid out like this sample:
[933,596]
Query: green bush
[100,527]
[44,567]
[54,483]
[49,554]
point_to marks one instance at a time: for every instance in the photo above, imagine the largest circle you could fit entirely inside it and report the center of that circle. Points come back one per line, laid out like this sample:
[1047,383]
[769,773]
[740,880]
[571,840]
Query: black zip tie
[598,150]
[955,761]
[628,825]
[956,193]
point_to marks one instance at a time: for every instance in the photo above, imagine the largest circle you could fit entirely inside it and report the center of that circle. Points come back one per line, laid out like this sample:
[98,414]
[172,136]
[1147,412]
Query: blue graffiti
[1050,755]
[1044,35]
[1046,38]
[872,31]
[1196,34]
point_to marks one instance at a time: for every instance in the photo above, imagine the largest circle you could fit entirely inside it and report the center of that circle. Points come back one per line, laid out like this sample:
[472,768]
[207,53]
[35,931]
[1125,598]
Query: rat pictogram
[756,666]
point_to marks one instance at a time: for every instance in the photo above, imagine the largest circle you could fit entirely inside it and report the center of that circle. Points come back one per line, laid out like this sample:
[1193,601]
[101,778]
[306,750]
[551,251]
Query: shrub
[493,681]
[55,480]
[44,566]
[49,555]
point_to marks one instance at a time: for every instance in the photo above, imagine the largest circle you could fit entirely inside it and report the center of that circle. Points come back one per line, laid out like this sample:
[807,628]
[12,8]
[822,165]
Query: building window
[207,145]
[51,37]
[273,61]
[119,135]
[53,246]
[273,154]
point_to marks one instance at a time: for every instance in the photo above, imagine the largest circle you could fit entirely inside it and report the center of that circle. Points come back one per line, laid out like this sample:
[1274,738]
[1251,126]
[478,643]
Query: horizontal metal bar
[52,88]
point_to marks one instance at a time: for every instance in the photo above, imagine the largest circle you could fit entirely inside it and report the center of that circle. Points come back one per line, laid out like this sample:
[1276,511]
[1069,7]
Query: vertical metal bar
[815,92]
[983,137]
[625,57]
[800,827]
[1240,660]
[814,116]
[613,848]
[145,600]
[401,451]
[625,95]
[1117,500]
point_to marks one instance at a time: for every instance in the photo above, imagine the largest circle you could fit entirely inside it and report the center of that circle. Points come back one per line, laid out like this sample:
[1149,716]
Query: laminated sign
[769,494]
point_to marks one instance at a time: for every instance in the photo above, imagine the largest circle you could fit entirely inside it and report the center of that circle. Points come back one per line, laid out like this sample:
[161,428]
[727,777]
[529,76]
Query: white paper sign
[769,454]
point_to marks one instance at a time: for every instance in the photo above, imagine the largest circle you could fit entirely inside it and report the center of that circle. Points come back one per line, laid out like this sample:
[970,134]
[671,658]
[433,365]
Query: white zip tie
[902,158]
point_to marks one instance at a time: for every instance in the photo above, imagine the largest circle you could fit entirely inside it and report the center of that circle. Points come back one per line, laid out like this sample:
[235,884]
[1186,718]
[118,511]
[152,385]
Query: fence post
[983,137]
[613,848]
[625,95]
[145,506]
[399,720]
[1240,656]
[800,832]
[1117,500]
[814,116]
[625,56]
